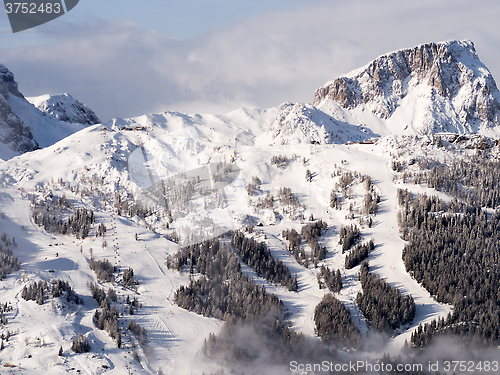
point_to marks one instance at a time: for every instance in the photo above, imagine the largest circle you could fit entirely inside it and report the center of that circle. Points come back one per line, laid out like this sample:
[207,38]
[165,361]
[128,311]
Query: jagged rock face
[7,83]
[454,77]
[13,131]
[66,109]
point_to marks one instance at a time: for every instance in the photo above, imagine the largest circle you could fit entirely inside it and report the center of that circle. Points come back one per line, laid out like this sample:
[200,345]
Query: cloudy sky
[125,58]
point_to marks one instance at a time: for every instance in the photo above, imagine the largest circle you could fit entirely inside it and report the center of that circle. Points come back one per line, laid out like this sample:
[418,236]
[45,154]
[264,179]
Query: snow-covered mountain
[24,127]
[430,88]
[291,163]
[65,108]
[304,123]
[240,126]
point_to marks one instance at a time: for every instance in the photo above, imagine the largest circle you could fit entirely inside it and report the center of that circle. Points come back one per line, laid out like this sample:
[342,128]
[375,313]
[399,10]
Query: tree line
[78,224]
[39,291]
[225,290]
[4,307]
[254,187]
[329,278]
[349,235]
[358,254]
[280,161]
[127,206]
[103,269]
[473,180]
[334,324]
[382,304]
[257,255]
[106,316]
[8,262]
[453,249]
[311,233]
[287,198]
[226,293]
[294,240]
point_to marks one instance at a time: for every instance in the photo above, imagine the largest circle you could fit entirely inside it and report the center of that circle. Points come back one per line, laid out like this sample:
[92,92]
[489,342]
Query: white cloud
[119,69]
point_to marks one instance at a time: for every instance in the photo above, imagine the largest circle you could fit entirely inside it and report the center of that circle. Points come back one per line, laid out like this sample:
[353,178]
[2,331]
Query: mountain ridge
[448,76]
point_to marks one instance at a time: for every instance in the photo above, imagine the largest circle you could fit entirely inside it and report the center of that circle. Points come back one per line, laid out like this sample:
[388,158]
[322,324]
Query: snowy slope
[303,123]
[165,322]
[132,156]
[236,127]
[175,335]
[6,152]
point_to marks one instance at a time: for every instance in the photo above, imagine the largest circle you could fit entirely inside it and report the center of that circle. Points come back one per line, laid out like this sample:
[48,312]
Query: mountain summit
[434,87]
[65,108]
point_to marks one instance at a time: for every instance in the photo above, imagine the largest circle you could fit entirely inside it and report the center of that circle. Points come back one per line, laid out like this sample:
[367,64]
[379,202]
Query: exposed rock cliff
[8,85]
[13,132]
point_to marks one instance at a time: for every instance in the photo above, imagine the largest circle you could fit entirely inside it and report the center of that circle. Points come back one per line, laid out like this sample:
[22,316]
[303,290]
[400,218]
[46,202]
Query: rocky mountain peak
[449,74]
[8,86]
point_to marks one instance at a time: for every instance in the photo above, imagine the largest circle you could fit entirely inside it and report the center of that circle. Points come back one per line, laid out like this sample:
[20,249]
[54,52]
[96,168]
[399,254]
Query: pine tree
[308,176]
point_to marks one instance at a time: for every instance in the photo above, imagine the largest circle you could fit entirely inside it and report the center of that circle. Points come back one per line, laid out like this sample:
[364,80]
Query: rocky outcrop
[13,132]
[8,86]
[453,76]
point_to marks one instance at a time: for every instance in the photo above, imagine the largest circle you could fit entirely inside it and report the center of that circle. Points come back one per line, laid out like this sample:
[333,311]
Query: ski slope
[173,144]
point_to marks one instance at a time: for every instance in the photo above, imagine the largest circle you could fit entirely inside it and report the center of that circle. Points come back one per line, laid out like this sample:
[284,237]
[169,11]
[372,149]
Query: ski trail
[154,260]
[386,260]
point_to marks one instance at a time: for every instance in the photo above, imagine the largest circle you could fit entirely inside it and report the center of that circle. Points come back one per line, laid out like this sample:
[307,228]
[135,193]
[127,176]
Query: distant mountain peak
[454,89]
[65,108]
